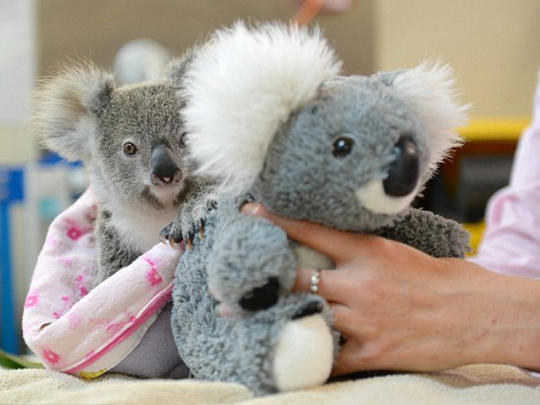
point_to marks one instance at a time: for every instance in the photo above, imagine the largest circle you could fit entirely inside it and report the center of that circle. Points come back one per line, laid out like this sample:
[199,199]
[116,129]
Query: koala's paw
[191,219]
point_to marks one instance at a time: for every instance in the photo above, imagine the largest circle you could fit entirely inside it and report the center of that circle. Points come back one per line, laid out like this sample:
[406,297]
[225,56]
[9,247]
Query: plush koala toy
[131,141]
[268,112]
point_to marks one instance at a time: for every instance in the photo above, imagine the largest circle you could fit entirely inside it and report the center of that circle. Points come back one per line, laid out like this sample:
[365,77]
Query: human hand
[400,309]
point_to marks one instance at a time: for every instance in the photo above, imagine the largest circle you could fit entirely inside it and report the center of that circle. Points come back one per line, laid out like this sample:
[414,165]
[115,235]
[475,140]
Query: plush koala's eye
[130,149]
[342,147]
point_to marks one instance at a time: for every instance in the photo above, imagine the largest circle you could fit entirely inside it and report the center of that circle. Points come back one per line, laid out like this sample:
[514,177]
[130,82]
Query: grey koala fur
[348,152]
[130,140]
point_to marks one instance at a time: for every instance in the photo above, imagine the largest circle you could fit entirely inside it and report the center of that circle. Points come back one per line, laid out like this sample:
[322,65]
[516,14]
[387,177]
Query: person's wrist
[515,332]
[495,317]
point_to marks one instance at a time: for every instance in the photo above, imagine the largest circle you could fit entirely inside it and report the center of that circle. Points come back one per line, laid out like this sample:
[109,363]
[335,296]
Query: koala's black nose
[164,169]
[404,170]
[261,297]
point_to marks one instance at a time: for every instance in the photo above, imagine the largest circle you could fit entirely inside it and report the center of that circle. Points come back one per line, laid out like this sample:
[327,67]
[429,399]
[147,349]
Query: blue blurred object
[11,192]
[51,158]
[44,188]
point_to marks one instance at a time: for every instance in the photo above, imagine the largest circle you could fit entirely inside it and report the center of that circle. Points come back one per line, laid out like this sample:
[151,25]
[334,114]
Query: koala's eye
[183,139]
[342,147]
[130,149]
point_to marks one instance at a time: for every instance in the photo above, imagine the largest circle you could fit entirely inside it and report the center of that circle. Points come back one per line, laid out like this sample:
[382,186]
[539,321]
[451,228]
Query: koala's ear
[66,108]
[176,69]
[429,91]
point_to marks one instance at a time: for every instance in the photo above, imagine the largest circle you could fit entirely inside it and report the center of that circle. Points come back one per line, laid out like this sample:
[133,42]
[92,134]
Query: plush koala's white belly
[140,229]
[310,259]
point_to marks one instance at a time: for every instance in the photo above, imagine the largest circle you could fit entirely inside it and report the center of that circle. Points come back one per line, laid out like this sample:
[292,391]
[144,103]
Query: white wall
[17,59]
[17,78]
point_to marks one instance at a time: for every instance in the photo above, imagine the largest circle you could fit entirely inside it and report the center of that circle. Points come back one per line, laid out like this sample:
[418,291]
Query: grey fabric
[156,356]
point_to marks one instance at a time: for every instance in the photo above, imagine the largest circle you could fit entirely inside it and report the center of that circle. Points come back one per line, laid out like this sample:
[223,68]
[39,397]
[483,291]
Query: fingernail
[251,209]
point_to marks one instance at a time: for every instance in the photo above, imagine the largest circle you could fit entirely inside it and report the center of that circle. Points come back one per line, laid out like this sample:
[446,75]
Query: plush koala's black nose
[164,169]
[404,170]
[261,297]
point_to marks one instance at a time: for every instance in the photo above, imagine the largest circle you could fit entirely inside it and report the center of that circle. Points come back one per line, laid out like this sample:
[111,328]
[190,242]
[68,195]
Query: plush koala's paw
[191,220]
[305,350]
[241,280]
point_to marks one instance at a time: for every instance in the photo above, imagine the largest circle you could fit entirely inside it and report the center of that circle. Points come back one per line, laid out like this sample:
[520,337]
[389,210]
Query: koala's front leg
[252,263]
[430,233]
[113,253]
[194,209]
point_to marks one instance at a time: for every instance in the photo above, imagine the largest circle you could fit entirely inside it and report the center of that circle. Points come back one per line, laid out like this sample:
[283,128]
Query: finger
[336,245]
[346,320]
[327,283]
[349,359]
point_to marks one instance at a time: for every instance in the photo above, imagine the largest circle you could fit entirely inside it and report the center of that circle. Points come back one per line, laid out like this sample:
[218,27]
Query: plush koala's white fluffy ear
[66,107]
[242,85]
[429,90]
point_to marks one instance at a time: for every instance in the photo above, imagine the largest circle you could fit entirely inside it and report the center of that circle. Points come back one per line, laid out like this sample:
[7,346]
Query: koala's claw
[165,234]
[189,239]
[191,220]
[169,237]
[202,223]
[163,238]
[174,244]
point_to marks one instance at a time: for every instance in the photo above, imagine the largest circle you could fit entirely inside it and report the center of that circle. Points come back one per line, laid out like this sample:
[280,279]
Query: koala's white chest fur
[140,228]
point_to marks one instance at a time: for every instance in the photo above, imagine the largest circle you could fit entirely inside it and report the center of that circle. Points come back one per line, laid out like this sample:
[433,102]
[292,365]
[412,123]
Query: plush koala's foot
[304,353]
[289,346]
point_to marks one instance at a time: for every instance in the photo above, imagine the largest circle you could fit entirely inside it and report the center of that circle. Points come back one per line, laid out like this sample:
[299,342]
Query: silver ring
[314,281]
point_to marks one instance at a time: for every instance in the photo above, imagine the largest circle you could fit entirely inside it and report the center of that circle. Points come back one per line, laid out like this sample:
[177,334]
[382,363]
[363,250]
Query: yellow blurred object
[88,375]
[495,129]
[477,231]
[486,136]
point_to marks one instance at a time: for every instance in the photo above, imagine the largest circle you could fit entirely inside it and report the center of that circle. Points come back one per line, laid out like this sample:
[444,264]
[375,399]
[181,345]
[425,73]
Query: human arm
[78,330]
[511,241]
[400,309]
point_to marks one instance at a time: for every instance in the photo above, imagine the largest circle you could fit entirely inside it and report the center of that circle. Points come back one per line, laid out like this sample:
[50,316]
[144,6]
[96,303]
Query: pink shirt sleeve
[83,332]
[511,243]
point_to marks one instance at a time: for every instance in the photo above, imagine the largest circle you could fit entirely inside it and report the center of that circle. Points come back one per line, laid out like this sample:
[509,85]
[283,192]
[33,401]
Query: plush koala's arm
[430,233]
[251,264]
[66,107]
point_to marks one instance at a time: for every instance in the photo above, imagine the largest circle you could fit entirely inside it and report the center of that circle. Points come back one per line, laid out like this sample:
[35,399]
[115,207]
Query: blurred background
[493,46]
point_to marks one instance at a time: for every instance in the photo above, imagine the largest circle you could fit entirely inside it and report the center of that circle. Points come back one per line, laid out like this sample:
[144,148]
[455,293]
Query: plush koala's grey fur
[130,140]
[347,152]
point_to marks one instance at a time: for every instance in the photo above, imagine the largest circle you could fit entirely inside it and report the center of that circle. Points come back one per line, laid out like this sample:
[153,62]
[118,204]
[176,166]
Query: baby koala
[131,142]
